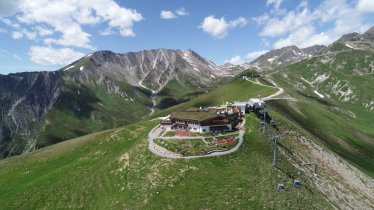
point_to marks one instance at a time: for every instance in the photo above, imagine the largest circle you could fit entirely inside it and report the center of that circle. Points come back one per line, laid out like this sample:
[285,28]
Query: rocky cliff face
[24,99]
[33,105]
[355,40]
[150,69]
[284,56]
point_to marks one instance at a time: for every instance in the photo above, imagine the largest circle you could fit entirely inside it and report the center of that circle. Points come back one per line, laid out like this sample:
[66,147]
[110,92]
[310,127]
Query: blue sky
[48,34]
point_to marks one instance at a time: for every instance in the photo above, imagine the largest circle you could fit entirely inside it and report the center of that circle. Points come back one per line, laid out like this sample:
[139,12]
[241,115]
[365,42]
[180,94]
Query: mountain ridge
[93,85]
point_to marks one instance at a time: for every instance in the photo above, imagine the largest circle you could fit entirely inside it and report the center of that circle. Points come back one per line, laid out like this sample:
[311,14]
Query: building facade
[200,121]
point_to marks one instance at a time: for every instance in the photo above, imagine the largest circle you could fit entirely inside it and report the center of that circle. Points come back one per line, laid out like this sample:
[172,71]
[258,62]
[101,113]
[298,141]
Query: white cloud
[64,19]
[236,60]
[181,12]
[218,28]
[366,5]
[215,27]
[8,7]
[53,56]
[42,31]
[294,19]
[3,30]
[107,32]
[166,14]
[9,22]
[276,3]
[256,54]
[239,22]
[17,35]
[304,26]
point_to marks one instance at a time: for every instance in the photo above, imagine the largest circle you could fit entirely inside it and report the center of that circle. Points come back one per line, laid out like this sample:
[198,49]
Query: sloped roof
[198,116]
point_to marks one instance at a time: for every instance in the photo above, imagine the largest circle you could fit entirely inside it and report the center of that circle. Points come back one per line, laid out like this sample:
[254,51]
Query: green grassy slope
[92,110]
[350,76]
[333,131]
[237,89]
[175,93]
[341,120]
[115,170]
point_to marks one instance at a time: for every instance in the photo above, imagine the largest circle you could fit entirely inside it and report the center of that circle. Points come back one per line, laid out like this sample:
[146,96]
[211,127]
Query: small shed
[244,76]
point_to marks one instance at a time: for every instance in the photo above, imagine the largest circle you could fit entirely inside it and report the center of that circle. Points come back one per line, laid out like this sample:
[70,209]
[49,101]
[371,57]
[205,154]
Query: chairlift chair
[296,183]
[280,186]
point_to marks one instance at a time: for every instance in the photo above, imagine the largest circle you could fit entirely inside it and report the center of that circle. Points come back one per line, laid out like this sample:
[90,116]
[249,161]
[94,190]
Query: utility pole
[264,119]
[275,138]
[264,128]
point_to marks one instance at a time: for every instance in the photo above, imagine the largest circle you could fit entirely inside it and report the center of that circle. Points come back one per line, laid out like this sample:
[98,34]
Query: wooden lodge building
[200,121]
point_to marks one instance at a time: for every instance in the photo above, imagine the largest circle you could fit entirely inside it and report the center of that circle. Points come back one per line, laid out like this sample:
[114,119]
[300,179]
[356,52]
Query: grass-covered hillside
[115,170]
[91,102]
[334,101]
[236,90]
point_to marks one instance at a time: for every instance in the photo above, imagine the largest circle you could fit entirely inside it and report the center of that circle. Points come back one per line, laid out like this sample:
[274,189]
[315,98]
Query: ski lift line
[314,164]
[276,138]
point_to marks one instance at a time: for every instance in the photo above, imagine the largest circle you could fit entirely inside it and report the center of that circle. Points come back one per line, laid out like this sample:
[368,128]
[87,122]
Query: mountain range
[321,105]
[105,90]
[99,91]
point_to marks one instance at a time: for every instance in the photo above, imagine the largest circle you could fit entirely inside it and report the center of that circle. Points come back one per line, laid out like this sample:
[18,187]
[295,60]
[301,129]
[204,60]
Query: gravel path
[279,92]
[160,151]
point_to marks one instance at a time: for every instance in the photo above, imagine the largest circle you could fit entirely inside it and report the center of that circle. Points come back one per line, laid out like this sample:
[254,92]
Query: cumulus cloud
[366,5]
[278,26]
[218,28]
[166,14]
[236,60]
[255,54]
[17,35]
[8,7]
[182,12]
[60,23]
[276,3]
[302,26]
[53,56]
[64,19]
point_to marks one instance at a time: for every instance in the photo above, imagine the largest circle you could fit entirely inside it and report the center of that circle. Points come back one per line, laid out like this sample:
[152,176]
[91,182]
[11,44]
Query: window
[204,130]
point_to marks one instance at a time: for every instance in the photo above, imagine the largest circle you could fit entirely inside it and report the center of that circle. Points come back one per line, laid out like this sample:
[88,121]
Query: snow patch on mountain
[271,60]
[321,78]
[350,46]
[302,78]
[69,67]
[319,94]
[343,91]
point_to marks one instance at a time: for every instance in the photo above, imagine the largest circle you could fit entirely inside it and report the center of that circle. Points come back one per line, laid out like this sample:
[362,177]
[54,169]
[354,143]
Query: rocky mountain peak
[284,56]
[370,30]
[367,36]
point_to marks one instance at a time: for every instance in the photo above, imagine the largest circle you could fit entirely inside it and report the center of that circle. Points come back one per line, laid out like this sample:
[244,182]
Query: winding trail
[272,96]
[154,93]
[153,96]
[161,151]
